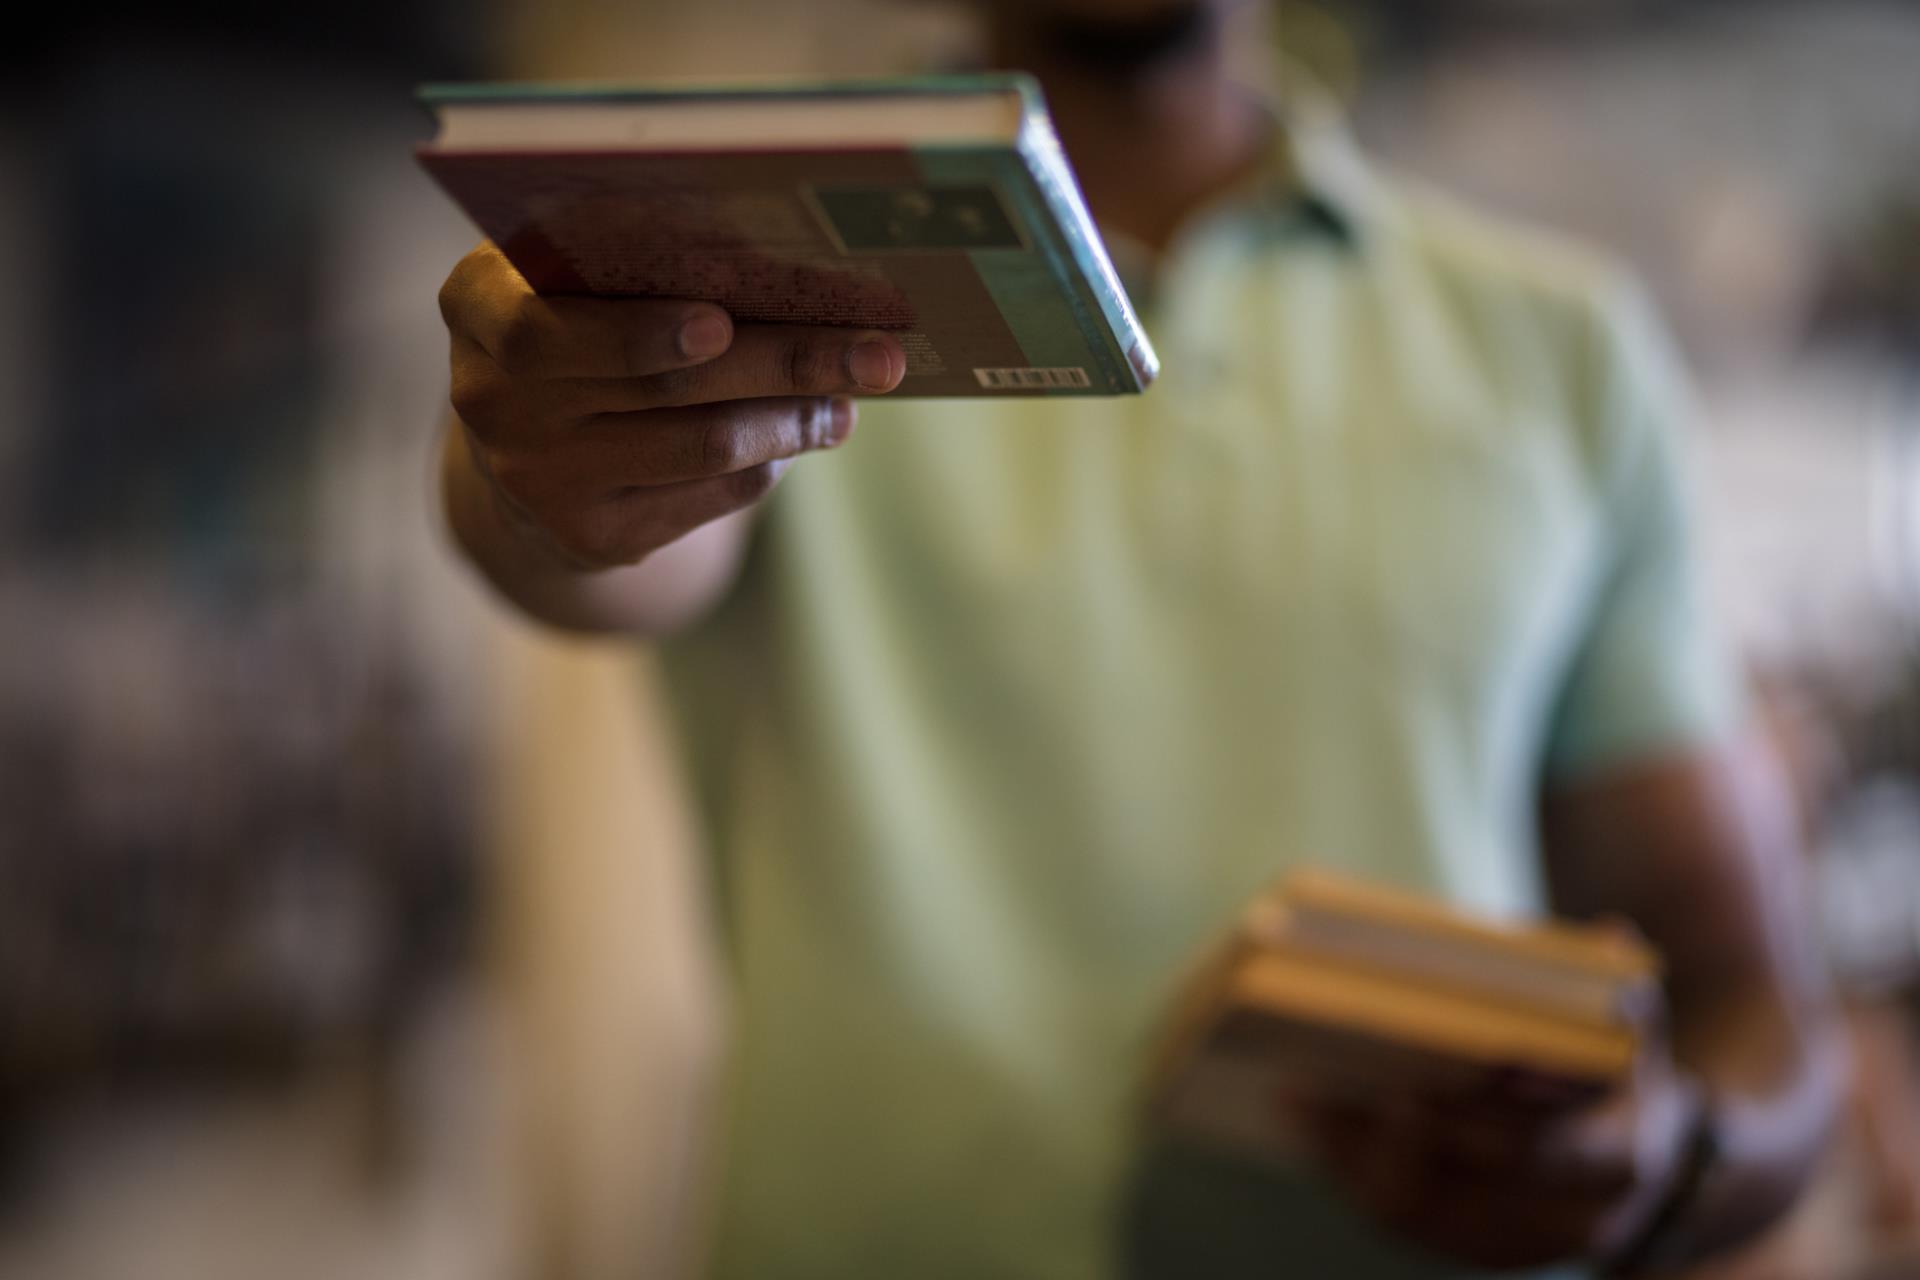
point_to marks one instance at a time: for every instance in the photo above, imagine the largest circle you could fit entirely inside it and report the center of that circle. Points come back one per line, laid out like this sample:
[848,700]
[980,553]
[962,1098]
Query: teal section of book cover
[1030,284]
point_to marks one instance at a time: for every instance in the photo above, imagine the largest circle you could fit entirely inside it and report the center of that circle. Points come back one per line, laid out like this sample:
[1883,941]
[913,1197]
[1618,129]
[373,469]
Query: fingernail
[704,336]
[841,424]
[870,365]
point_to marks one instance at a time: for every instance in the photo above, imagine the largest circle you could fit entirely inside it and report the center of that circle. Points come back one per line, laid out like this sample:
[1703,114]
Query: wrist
[1661,1240]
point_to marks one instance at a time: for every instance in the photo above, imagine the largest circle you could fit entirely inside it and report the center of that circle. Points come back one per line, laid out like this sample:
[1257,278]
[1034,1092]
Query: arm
[1659,806]
[1653,809]
[1699,852]
[605,455]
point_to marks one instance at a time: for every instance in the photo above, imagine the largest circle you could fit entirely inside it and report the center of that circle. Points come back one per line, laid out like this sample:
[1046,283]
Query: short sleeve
[1649,673]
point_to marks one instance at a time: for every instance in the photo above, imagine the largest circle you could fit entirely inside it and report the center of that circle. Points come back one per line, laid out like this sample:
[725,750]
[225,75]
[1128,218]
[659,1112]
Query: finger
[1377,1157]
[1563,1154]
[626,529]
[603,458]
[1402,1165]
[1498,1232]
[1482,1145]
[1332,1127]
[531,336]
[719,439]
[1504,1215]
[1517,1173]
[764,360]
[1595,1151]
[1538,1091]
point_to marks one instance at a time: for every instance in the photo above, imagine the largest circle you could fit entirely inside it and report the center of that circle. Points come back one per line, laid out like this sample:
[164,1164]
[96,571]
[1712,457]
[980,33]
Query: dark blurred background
[309,965]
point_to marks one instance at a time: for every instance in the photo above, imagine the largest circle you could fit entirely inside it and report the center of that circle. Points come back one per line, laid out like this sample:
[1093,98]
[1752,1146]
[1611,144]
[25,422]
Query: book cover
[978,253]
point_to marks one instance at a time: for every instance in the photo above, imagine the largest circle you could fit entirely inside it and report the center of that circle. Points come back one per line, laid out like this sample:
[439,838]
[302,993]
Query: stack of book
[1337,988]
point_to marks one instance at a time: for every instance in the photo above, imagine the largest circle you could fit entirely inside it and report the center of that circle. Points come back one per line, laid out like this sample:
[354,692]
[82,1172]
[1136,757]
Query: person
[1001,710]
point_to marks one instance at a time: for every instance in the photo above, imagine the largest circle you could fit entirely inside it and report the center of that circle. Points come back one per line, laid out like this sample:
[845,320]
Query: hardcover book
[1338,988]
[941,209]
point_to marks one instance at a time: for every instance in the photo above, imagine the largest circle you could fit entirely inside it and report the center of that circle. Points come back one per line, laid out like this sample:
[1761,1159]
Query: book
[939,208]
[1346,990]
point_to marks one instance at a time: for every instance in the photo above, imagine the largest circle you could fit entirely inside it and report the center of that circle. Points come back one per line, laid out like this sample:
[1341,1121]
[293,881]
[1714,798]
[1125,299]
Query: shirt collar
[1316,176]
[1313,183]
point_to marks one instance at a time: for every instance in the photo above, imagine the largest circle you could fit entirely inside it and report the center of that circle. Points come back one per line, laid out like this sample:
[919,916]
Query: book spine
[435,95]
[1438,961]
[1117,326]
[1567,944]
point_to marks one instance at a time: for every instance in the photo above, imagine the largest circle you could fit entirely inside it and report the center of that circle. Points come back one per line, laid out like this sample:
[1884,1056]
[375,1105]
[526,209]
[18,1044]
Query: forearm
[1703,855]
[1773,1075]
[669,590]
[1754,1019]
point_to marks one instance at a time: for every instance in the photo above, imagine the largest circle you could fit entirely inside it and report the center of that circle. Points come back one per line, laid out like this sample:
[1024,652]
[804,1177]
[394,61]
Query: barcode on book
[1022,379]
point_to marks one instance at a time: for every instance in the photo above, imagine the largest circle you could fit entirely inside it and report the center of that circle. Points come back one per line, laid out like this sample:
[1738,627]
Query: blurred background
[351,928]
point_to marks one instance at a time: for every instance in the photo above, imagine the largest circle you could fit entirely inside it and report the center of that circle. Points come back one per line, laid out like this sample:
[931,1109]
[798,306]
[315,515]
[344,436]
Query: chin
[1119,13]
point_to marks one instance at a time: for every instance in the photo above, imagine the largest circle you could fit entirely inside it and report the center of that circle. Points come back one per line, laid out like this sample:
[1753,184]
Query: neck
[1151,137]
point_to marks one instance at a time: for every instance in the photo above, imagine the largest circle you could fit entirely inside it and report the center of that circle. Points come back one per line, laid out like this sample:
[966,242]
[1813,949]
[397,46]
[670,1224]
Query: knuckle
[519,477]
[452,294]
[1406,1213]
[645,341]
[1615,1177]
[815,424]
[633,343]
[454,289]
[591,538]
[754,483]
[523,340]
[808,365]
[477,260]
[672,386]
[469,277]
[558,401]
[480,395]
[470,399]
[725,446]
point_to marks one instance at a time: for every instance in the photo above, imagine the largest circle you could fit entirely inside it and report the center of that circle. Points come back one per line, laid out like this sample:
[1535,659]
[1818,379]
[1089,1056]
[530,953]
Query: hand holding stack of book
[1335,990]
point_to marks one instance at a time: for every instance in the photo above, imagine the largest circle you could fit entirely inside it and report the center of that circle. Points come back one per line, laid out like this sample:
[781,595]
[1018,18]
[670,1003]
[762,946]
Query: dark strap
[1657,1238]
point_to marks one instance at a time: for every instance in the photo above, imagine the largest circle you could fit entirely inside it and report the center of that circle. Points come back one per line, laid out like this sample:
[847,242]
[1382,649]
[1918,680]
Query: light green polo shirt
[1019,701]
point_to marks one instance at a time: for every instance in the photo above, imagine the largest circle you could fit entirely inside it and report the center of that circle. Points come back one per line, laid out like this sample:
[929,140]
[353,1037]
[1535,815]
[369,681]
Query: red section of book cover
[855,239]
[734,230]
